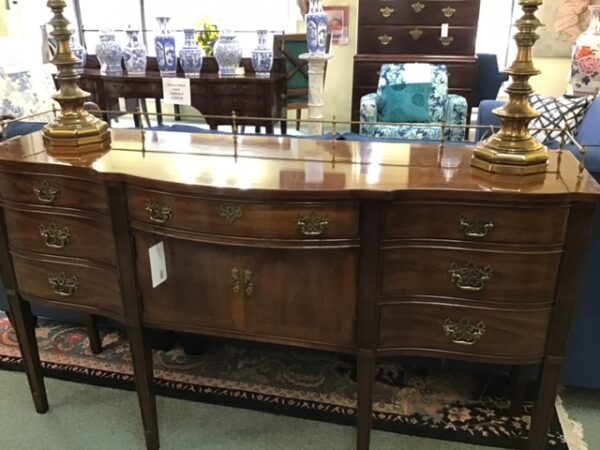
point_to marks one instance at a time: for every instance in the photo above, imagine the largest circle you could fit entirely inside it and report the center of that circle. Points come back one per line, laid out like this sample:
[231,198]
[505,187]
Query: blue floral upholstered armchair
[445,108]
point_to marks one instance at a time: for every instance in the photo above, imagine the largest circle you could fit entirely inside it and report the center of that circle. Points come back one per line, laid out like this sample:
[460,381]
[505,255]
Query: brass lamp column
[512,150]
[75,131]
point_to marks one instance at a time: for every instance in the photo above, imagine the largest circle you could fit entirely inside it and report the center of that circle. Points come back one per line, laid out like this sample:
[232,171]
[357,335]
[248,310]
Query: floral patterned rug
[424,398]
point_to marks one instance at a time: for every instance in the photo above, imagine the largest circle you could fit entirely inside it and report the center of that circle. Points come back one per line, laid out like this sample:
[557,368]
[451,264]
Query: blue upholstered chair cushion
[405,102]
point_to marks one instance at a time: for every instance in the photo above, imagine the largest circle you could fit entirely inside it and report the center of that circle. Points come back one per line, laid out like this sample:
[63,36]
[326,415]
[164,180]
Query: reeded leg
[141,354]
[91,324]
[544,406]
[24,324]
[365,378]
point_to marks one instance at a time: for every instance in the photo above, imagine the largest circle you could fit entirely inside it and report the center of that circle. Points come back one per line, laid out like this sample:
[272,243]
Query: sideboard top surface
[298,166]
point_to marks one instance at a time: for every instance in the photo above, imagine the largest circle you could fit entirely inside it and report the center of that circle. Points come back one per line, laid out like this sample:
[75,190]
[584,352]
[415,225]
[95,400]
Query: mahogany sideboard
[367,249]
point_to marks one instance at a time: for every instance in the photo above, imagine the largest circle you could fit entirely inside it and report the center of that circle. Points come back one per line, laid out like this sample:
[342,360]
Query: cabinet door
[199,293]
[307,296]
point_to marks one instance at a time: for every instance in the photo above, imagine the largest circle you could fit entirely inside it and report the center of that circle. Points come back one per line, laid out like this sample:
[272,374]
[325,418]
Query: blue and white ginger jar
[109,53]
[190,55]
[228,53]
[79,52]
[316,28]
[134,54]
[166,55]
[262,55]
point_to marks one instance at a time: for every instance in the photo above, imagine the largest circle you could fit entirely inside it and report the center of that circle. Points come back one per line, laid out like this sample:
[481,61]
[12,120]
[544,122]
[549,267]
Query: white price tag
[444,30]
[122,104]
[158,264]
[177,91]
[417,73]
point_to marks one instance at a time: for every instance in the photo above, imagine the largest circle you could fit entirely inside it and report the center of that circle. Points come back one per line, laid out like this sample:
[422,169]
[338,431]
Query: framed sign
[338,23]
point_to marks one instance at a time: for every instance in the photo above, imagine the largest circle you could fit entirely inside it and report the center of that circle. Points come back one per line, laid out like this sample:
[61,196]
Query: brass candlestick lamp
[75,131]
[512,150]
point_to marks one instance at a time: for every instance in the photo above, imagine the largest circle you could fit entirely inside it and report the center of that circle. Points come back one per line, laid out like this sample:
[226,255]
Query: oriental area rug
[423,400]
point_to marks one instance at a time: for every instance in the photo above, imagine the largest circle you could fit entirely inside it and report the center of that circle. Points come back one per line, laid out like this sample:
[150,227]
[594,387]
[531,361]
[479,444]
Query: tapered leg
[159,117]
[298,117]
[24,324]
[365,379]
[544,406]
[91,323]
[519,376]
[141,354]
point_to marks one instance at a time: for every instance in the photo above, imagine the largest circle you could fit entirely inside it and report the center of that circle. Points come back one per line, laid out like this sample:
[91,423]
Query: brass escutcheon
[312,225]
[463,332]
[46,192]
[55,236]
[230,212]
[235,280]
[385,39]
[386,12]
[446,40]
[475,228]
[418,7]
[248,285]
[63,284]
[416,33]
[159,212]
[448,11]
[469,277]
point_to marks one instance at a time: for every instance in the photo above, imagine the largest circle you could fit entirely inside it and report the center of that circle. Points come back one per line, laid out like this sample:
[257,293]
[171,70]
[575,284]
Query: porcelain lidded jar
[190,55]
[228,53]
[585,65]
[316,28]
[134,54]
[78,51]
[164,43]
[109,53]
[262,56]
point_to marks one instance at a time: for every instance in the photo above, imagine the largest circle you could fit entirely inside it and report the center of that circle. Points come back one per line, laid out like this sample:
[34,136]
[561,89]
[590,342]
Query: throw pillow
[557,114]
[405,103]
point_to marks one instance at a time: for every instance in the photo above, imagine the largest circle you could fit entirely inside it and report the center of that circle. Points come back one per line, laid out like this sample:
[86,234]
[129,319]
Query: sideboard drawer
[511,225]
[243,219]
[71,284]
[422,12]
[483,332]
[53,190]
[497,276]
[62,235]
[416,39]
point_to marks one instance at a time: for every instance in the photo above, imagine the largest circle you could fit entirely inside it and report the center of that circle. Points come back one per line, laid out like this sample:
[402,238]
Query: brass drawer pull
[448,11]
[476,228]
[231,213]
[63,284]
[159,213]
[470,277]
[46,192]
[464,332]
[418,7]
[386,12]
[416,33]
[446,40]
[385,39]
[248,285]
[55,236]
[312,225]
[235,280]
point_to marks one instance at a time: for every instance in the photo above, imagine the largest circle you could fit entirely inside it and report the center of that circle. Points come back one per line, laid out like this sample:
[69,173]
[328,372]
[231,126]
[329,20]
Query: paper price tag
[177,91]
[158,264]
[417,73]
[444,30]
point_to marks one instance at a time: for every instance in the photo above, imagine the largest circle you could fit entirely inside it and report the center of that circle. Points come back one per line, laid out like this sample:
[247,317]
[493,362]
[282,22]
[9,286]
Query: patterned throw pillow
[557,114]
[27,92]
[405,103]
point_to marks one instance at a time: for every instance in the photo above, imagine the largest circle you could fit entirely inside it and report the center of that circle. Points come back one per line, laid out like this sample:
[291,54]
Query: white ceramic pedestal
[316,81]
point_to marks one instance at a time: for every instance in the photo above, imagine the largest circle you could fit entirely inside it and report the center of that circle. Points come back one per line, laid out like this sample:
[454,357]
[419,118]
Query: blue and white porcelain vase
[262,56]
[166,55]
[109,53]
[190,55]
[134,54]
[228,53]
[585,64]
[79,52]
[316,28]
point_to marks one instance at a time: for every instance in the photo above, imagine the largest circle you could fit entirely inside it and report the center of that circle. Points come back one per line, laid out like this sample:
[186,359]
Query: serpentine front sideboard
[367,249]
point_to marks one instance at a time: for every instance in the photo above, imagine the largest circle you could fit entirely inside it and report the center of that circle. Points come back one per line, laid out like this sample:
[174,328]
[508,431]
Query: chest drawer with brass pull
[418,12]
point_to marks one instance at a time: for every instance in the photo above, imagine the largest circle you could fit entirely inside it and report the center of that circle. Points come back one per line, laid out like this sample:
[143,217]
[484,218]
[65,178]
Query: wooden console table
[367,249]
[211,94]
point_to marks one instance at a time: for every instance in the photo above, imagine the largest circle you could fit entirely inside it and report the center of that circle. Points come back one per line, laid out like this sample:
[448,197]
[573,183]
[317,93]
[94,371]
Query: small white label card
[158,264]
[417,73]
[177,91]
[444,30]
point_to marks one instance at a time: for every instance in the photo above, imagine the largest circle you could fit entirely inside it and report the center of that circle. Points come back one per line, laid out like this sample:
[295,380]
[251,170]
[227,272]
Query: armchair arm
[486,117]
[368,112]
[456,113]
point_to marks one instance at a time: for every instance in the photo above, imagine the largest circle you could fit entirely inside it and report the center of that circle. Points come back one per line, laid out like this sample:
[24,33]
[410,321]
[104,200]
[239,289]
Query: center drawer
[243,219]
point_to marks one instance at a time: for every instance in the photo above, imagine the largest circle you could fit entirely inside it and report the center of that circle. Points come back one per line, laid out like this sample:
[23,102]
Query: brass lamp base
[66,138]
[515,157]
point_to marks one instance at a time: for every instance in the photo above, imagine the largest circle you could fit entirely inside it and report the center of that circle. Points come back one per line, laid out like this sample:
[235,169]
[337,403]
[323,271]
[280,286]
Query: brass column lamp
[75,131]
[512,150]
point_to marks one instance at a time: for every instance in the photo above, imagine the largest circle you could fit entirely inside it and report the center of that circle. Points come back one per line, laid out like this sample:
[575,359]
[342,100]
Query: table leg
[24,323]
[365,379]
[91,324]
[159,117]
[544,406]
[520,377]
